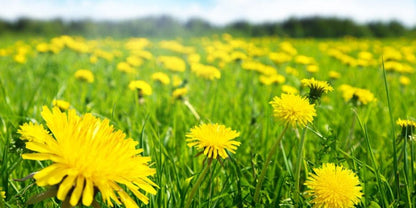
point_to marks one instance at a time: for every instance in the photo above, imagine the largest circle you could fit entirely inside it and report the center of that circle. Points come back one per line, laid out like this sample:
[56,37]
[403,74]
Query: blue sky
[219,12]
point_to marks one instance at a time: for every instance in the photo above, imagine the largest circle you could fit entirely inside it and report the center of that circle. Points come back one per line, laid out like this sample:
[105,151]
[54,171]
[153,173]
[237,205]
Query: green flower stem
[197,184]
[266,164]
[299,163]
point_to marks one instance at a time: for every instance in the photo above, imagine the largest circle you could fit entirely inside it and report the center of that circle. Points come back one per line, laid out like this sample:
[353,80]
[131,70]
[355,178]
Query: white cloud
[219,12]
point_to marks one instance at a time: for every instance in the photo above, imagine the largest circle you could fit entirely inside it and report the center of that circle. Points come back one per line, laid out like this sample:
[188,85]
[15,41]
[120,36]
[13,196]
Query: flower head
[289,89]
[179,93]
[2,193]
[408,127]
[213,139]
[334,186]
[356,95]
[87,154]
[293,110]
[161,77]
[142,86]
[316,88]
[84,75]
[61,104]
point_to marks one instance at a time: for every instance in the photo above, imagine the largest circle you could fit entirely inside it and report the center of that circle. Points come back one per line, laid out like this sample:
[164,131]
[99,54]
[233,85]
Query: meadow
[155,91]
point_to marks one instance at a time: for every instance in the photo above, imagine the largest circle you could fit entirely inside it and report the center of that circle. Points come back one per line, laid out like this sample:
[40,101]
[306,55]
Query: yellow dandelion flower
[334,186]
[356,94]
[213,140]
[93,59]
[312,68]
[61,104]
[289,89]
[293,110]
[205,71]
[20,58]
[316,88]
[179,93]
[408,127]
[2,193]
[84,75]
[42,47]
[144,88]
[314,84]
[87,155]
[161,77]
[126,68]
[176,81]
[404,80]
[334,75]
[275,78]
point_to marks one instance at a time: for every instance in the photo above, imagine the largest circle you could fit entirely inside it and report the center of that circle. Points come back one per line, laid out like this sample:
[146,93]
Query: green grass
[237,100]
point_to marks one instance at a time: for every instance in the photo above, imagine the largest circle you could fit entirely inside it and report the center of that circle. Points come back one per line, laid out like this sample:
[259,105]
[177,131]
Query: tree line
[166,26]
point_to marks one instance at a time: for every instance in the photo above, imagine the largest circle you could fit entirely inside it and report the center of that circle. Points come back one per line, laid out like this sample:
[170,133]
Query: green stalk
[266,164]
[197,184]
[395,166]
[299,163]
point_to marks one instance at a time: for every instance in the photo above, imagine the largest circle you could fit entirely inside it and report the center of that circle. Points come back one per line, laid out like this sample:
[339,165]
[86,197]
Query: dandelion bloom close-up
[334,186]
[293,110]
[87,156]
[213,140]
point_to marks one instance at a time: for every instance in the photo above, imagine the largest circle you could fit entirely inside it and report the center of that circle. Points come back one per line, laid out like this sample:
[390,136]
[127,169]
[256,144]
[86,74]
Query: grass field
[358,133]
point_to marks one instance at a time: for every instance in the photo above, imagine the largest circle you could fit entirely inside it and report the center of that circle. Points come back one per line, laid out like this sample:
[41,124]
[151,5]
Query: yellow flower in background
[205,71]
[126,68]
[161,77]
[312,68]
[293,110]
[2,193]
[179,93]
[404,80]
[176,81]
[172,63]
[275,78]
[20,58]
[42,47]
[334,75]
[408,128]
[334,186]
[134,61]
[61,104]
[84,75]
[356,94]
[88,156]
[93,59]
[292,71]
[213,140]
[289,89]
[143,86]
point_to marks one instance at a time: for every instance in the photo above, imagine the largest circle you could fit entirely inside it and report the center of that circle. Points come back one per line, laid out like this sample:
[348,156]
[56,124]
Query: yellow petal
[65,186]
[88,194]
[76,194]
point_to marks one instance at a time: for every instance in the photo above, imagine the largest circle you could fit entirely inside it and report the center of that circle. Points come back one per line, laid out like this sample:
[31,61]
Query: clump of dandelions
[334,186]
[213,140]
[316,88]
[88,156]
